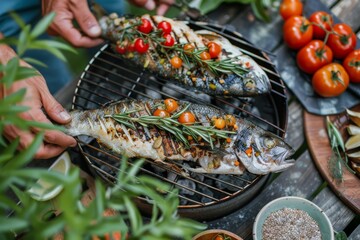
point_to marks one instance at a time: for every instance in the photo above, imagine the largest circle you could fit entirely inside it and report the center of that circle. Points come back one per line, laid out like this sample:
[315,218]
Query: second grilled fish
[250,147]
[231,73]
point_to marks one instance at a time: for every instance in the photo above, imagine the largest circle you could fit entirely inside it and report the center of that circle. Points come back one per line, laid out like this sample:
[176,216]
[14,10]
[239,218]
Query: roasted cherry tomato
[289,8]
[131,47]
[121,49]
[141,46]
[352,65]
[145,26]
[343,42]
[164,26]
[214,49]
[219,237]
[205,56]
[297,32]
[230,120]
[219,123]
[331,80]
[176,62]
[161,113]
[187,118]
[169,40]
[171,105]
[189,48]
[313,56]
[321,19]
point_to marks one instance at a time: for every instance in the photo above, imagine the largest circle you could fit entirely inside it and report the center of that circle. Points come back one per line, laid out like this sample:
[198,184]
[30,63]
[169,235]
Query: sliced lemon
[354,116]
[353,130]
[352,142]
[44,190]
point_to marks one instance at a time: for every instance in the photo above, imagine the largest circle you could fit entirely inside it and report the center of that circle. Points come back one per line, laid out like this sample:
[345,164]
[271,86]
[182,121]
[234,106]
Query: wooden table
[304,179]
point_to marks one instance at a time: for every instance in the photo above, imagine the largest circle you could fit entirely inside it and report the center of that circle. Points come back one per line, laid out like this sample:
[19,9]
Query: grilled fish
[241,76]
[249,147]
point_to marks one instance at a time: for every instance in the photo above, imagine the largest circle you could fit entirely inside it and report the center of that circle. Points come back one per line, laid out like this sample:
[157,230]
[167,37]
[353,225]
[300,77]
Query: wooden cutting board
[319,146]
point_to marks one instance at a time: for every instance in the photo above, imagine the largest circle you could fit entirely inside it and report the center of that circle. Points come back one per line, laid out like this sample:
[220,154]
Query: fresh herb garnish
[171,125]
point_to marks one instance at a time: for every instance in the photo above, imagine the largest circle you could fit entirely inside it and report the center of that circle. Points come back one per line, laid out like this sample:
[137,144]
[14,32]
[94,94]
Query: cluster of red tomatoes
[319,41]
[141,45]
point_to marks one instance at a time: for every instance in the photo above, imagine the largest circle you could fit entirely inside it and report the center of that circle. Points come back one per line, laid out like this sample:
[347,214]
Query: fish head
[262,152]
[256,83]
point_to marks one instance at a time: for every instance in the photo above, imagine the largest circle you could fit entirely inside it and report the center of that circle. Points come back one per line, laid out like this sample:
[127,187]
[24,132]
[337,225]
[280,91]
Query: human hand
[37,96]
[161,5]
[67,11]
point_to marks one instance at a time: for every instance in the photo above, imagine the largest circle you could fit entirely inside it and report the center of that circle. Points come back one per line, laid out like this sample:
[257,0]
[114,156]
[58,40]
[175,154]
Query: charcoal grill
[202,196]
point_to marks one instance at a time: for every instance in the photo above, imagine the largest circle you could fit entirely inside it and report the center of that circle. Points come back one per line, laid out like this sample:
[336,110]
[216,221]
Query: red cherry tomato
[165,27]
[289,8]
[176,62]
[121,49]
[161,113]
[145,26]
[297,32]
[141,46]
[313,56]
[131,47]
[331,80]
[214,49]
[323,19]
[205,56]
[352,66]
[169,40]
[343,42]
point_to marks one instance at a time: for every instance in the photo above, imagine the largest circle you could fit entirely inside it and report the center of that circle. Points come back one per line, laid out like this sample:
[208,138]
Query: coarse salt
[288,224]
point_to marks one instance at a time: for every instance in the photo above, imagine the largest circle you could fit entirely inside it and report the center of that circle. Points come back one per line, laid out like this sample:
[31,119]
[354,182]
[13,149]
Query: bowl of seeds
[292,218]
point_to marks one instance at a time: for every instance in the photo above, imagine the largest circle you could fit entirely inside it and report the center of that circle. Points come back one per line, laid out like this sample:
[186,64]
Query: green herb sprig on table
[338,157]
[171,125]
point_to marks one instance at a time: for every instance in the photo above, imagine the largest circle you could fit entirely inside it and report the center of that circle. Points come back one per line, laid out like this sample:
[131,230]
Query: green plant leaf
[100,198]
[42,25]
[43,46]
[18,20]
[9,151]
[10,71]
[44,125]
[9,41]
[55,44]
[26,72]
[34,61]
[5,110]
[13,98]
[260,11]
[134,215]
[23,40]
[12,224]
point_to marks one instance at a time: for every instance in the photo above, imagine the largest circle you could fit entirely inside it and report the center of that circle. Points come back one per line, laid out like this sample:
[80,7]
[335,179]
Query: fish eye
[249,84]
[269,142]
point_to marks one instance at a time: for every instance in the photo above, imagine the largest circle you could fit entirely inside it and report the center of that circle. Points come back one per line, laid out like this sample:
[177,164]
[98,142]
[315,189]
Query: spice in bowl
[288,223]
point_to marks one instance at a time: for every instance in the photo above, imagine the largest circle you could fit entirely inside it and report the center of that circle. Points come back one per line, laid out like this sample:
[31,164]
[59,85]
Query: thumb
[85,18]
[54,109]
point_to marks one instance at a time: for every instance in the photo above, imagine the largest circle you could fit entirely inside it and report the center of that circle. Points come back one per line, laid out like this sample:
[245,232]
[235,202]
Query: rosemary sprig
[338,157]
[171,125]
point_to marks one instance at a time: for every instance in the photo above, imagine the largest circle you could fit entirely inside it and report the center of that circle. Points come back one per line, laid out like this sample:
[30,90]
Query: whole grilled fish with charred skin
[242,75]
[249,147]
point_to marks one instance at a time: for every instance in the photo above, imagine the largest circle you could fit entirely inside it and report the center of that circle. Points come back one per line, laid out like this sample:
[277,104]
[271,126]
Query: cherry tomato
[352,66]
[289,8]
[323,19]
[189,48]
[121,49]
[187,118]
[165,26]
[176,62]
[131,47]
[114,236]
[141,46]
[230,120]
[331,80]
[145,26]
[205,56]
[343,42]
[313,56]
[171,105]
[219,123]
[214,49]
[161,113]
[169,40]
[218,237]
[297,32]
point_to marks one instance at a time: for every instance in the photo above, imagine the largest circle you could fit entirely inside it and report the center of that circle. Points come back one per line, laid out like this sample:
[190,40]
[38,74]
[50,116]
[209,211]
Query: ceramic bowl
[212,233]
[314,211]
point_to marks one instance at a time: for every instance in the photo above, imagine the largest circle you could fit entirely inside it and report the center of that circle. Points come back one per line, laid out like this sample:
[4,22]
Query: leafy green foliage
[33,219]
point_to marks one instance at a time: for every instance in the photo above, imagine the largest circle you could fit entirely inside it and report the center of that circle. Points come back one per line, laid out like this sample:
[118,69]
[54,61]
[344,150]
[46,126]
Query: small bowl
[212,233]
[313,210]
